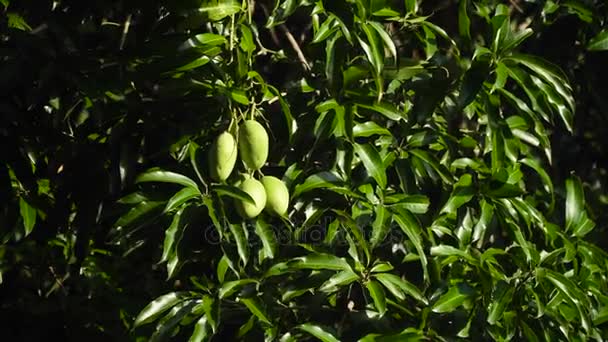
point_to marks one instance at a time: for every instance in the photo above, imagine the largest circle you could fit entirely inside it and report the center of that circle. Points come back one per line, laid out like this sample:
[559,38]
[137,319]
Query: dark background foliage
[94,94]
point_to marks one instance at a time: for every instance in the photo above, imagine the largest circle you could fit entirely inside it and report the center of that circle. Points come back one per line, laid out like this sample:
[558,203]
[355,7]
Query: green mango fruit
[253,144]
[256,190]
[222,157]
[277,195]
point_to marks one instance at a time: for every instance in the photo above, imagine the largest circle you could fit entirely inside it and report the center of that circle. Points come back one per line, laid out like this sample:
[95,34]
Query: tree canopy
[443,166]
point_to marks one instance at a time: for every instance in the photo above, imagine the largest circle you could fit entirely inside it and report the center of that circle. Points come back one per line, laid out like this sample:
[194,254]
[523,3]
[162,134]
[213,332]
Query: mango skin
[253,144]
[222,157]
[277,196]
[256,190]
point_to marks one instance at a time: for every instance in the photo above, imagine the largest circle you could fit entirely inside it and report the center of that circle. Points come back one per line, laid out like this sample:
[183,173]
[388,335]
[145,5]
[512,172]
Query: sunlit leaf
[451,300]
[158,175]
[28,214]
[318,332]
[160,305]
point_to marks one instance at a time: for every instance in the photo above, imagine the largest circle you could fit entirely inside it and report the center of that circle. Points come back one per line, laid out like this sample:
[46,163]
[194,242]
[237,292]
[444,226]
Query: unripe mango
[256,190]
[222,157]
[253,144]
[277,195]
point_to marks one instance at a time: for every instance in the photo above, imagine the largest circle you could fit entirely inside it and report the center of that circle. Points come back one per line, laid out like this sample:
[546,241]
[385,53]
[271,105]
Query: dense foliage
[446,165]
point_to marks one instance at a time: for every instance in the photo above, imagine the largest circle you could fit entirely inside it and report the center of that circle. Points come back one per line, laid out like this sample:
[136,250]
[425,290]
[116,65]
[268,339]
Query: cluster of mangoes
[269,193]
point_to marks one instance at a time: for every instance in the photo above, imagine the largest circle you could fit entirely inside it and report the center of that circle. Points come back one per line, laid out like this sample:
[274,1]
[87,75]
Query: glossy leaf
[157,175]
[219,9]
[450,300]
[599,42]
[377,293]
[318,332]
[372,162]
[157,307]
[256,307]
[400,287]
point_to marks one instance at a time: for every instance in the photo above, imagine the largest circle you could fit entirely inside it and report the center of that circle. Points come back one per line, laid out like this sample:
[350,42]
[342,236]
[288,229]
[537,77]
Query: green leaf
[158,175]
[319,180]
[464,23]
[140,213]
[220,9]
[369,128]
[282,12]
[373,163]
[157,307]
[377,293]
[28,214]
[602,316]
[318,332]
[201,330]
[480,229]
[208,39]
[408,224]
[540,170]
[181,197]
[501,298]
[441,32]
[239,96]
[386,109]
[411,6]
[16,21]
[451,300]
[268,238]
[571,291]
[462,193]
[168,323]
[169,243]
[558,83]
[599,42]
[339,279]
[198,62]
[256,307]
[472,81]
[431,161]
[320,261]
[247,44]
[388,41]
[446,250]
[230,287]
[380,227]
[519,37]
[416,204]
[577,220]
[373,48]
[328,27]
[400,287]
[239,232]
[232,191]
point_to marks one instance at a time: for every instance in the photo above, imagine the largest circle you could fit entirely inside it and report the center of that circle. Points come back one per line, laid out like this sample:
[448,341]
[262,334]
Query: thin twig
[295,46]
[516,6]
[125,31]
